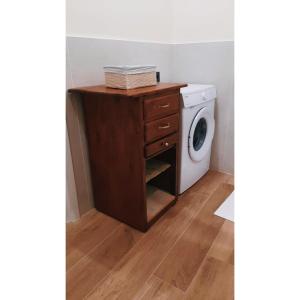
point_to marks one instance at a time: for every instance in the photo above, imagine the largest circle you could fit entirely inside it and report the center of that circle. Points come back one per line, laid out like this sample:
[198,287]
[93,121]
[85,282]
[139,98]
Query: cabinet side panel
[115,137]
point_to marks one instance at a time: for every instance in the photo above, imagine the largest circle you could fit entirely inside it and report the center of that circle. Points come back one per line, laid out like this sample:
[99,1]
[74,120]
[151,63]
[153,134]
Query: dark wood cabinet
[133,150]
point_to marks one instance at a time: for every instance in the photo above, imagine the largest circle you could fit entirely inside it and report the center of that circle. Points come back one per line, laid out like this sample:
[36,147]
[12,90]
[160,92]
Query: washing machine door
[201,134]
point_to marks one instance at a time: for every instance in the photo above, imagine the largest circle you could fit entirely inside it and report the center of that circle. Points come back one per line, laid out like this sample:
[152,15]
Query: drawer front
[160,128]
[156,108]
[160,145]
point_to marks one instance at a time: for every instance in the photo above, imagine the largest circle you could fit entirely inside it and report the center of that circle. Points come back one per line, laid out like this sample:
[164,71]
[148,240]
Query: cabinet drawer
[155,108]
[160,128]
[162,144]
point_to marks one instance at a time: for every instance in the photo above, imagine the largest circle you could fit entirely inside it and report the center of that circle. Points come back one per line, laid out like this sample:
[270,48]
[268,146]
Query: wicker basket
[130,79]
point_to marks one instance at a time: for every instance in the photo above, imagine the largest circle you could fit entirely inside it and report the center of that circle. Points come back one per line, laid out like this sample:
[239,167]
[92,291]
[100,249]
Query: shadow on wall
[79,188]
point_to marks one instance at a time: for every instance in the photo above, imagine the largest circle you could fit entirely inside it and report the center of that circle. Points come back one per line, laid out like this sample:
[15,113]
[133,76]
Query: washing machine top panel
[195,94]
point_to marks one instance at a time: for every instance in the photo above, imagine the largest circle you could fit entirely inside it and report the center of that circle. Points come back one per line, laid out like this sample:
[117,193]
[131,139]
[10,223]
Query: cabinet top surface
[102,89]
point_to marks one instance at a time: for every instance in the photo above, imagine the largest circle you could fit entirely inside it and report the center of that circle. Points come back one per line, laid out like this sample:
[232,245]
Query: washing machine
[198,126]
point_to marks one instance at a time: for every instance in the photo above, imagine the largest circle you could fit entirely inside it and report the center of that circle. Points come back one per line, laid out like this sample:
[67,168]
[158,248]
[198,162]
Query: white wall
[202,20]
[167,21]
[141,20]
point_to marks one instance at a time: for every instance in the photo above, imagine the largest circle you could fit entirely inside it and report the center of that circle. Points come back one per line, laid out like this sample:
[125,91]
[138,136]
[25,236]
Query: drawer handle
[166,144]
[165,126]
[165,106]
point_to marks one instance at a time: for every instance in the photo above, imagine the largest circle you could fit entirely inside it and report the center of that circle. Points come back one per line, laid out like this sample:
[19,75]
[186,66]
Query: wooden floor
[187,254]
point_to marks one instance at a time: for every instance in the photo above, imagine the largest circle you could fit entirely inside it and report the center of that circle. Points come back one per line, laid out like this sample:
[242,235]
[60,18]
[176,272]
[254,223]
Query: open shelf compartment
[154,167]
[157,200]
[160,181]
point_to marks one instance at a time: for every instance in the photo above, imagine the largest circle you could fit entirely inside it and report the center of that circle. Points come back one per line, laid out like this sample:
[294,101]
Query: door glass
[199,134]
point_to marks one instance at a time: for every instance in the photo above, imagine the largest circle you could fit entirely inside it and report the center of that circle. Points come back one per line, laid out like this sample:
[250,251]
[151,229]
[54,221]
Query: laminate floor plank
[214,281]
[216,199]
[73,228]
[90,270]
[88,236]
[181,265]
[160,290]
[139,264]
[183,261]
[207,184]
[231,259]
[230,180]
[223,245]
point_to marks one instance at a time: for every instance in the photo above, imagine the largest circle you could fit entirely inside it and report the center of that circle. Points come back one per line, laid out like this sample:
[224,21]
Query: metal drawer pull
[166,144]
[165,126]
[165,106]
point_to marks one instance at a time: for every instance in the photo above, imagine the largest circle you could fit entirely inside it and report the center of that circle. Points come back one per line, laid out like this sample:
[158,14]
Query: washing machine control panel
[196,98]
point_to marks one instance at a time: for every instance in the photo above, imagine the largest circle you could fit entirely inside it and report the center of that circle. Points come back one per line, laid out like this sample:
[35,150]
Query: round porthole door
[201,134]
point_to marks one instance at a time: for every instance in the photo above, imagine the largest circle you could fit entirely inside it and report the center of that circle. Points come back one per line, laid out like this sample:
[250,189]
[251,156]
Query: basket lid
[130,69]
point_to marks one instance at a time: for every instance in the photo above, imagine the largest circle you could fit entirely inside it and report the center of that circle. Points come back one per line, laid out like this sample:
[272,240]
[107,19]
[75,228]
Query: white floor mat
[226,209]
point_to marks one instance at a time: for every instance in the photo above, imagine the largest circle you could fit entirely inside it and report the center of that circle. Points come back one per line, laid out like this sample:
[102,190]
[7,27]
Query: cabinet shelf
[157,200]
[155,167]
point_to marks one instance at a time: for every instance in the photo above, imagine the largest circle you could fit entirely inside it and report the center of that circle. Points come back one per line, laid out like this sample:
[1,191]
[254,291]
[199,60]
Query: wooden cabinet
[133,150]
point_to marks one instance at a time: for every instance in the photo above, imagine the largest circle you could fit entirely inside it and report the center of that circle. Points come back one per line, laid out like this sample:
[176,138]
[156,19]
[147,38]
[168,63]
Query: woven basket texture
[130,81]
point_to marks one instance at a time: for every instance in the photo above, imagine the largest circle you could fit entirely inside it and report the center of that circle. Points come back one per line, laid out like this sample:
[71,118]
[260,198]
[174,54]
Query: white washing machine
[198,126]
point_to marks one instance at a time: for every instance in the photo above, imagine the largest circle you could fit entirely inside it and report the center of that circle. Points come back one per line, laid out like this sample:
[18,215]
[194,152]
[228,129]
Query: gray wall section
[88,56]
[211,63]
[192,63]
